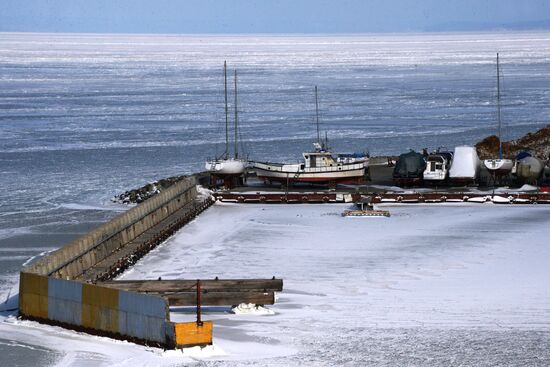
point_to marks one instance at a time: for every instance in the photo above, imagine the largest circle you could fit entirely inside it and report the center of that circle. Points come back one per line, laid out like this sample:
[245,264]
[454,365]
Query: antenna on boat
[226,111]
[236,119]
[317,116]
[498,110]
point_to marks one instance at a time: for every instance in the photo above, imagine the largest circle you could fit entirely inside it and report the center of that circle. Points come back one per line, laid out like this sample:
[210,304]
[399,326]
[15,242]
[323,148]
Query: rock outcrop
[143,193]
[538,143]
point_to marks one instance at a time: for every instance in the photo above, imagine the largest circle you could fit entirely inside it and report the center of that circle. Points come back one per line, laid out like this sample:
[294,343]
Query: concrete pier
[60,288]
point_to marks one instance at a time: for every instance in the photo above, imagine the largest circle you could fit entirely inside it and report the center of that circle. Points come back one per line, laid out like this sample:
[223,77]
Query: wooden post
[199,322]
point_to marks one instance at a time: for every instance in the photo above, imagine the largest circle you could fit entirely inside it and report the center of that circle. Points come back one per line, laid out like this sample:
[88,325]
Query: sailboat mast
[226,111]
[498,110]
[236,120]
[317,116]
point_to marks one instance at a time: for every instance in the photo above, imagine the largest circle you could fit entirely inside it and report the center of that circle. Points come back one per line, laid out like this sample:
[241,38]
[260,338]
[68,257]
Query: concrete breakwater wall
[52,290]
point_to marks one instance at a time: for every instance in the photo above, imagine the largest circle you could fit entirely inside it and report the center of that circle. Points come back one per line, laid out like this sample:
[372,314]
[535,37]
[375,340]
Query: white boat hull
[438,175]
[293,173]
[226,166]
[499,166]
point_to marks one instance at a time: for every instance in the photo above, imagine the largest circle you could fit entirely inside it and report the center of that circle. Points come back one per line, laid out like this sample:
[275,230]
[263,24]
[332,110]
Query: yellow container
[189,334]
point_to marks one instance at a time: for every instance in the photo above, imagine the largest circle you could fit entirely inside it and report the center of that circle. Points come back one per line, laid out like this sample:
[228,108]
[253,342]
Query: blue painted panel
[142,304]
[65,289]
[141,326]
[65,311]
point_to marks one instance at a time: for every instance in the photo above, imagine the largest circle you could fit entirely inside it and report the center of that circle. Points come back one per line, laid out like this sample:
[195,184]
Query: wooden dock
[213,292]
[378,197]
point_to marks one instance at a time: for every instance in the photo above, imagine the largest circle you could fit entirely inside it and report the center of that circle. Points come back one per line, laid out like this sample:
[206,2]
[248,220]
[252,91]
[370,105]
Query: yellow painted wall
[99,307]
[33,295]
[189,333]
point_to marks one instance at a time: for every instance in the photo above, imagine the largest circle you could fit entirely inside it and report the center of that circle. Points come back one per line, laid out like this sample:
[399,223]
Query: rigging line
[498,108]
[236,120]
[226,111]
[317,116]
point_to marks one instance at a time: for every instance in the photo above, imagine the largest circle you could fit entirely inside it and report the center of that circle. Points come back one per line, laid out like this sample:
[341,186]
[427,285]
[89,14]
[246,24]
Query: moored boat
[409,169]
[528,169]
[465,167]
[226,166]
[438,165]
[318,166]
[499,166]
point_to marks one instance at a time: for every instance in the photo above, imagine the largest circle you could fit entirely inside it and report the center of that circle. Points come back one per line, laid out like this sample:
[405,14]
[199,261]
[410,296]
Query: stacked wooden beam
[213,292]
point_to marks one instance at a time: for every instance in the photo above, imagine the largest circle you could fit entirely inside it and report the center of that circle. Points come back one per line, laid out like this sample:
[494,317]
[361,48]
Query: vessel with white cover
[465,167]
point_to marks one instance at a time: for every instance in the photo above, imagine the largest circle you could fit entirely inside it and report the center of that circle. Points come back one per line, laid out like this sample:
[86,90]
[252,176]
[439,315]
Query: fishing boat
[499,166]
[226,165]
[438,165]
[318,166]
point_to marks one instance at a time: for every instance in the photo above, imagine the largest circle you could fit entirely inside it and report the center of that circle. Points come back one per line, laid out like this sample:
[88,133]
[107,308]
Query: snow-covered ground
[438,284]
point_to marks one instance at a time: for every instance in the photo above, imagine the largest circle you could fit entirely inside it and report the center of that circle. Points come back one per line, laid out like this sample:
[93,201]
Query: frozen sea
[84,117]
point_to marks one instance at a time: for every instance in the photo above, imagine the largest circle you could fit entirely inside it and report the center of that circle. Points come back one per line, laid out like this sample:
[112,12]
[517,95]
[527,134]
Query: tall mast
[226,111]
[317,116]
[236,120]
[498,110]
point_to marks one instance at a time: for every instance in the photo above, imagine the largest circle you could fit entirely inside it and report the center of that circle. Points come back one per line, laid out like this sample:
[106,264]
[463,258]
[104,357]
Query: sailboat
[225,165]
[499,166]
[318,166]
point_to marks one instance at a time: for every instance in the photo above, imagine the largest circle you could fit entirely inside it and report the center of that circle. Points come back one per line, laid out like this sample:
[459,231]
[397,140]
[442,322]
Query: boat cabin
[437,166]
[319,160]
